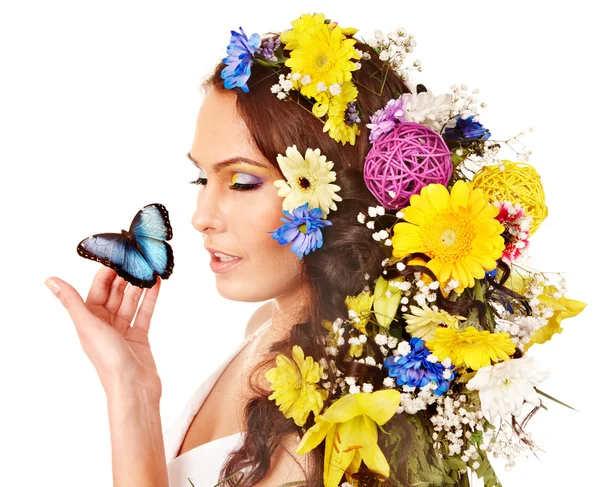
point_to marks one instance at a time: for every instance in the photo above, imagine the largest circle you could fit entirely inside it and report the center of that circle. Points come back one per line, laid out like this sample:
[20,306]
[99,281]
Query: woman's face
[237,221]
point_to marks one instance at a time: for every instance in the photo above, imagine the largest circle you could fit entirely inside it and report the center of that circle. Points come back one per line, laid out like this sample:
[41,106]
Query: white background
[97,109]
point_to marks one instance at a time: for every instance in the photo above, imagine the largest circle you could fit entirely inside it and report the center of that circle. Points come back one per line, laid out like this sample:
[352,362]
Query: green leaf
[553,399]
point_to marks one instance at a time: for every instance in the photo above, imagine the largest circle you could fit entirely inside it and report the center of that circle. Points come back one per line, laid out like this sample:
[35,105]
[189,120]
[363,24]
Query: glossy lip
[219,267]
[212,251]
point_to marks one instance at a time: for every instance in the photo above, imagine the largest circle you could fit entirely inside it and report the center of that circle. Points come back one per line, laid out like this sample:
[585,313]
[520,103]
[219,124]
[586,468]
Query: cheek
[266,217]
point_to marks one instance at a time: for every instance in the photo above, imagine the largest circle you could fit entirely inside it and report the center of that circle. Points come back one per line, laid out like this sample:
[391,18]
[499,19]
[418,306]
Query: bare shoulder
[260,316]
[286,465]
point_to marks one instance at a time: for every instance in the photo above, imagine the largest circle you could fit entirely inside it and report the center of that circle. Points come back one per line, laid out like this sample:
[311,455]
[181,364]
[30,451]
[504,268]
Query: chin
[238,290]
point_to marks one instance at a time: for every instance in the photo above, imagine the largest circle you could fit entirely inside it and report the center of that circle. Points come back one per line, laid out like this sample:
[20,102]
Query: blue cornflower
[302,229]
[239,60]
[415,370]
[467,129]
[491,274]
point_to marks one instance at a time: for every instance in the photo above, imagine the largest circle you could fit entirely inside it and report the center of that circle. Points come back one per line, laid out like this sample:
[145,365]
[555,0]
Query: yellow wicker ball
[519,183]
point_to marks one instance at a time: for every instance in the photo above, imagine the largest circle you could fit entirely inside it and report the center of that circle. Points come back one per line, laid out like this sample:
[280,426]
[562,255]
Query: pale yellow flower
[361,304]
[309,181]
[423,321]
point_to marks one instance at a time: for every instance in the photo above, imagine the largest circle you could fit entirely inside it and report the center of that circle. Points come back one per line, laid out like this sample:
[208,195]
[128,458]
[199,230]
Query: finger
[71,300]
[144,314]
[115,296]
[99,291]
[129,305]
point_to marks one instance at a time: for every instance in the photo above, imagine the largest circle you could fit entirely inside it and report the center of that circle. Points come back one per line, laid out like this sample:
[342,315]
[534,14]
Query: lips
[214,251]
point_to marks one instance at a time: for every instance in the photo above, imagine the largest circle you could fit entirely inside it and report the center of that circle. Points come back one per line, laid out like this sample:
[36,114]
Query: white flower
[309,180]
[287,84]
[306,79]
[281,95]
[505,386]
[427,109]
[403,348]
[335,89]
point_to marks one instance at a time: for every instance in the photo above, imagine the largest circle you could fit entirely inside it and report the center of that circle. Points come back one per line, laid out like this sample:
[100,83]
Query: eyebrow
[219,166]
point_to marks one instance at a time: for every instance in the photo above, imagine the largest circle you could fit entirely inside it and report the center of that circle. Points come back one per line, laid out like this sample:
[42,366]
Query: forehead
[221,133]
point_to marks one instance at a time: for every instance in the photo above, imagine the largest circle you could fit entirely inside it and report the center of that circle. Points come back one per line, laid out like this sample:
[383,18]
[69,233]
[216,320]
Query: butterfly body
[139,254]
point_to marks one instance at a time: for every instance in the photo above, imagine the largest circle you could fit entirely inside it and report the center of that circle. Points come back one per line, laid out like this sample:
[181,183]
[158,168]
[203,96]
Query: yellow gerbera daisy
[306,24]
[321,51]
[293,385]
[470,347]
[423,321]
[457,230]
[336,124]
[308,180]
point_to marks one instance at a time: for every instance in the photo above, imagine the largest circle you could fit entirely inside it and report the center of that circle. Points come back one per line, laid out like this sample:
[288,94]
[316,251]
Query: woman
[238,205]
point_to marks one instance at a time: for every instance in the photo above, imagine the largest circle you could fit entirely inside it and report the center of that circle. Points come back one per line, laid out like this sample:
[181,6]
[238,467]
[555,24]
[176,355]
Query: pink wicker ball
[405,160]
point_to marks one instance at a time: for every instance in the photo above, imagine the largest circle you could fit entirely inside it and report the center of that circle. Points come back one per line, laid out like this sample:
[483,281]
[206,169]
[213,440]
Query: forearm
[138,454]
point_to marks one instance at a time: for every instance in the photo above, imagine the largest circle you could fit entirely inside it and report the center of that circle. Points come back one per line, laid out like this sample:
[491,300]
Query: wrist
[123,392]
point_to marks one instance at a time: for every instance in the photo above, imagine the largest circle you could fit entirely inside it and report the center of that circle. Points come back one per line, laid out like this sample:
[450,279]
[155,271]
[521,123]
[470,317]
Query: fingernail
[52,285]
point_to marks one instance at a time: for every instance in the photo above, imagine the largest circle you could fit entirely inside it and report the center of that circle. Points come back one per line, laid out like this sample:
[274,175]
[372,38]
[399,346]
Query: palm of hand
[119,350]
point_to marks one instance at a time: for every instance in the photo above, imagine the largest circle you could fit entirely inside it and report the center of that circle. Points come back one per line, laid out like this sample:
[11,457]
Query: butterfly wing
[151,228]
[117,252]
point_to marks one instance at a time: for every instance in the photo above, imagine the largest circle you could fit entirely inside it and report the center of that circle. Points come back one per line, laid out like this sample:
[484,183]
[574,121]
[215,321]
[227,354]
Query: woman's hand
[119,351]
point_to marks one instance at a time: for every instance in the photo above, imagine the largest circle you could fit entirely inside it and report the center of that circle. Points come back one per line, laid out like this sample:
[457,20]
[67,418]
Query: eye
[235,186]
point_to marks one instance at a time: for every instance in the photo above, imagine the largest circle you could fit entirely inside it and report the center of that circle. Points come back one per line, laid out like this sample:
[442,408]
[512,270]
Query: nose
[208,217]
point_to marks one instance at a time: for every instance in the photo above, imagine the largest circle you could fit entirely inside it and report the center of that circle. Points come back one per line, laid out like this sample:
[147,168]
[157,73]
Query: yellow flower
[293,386]
[336,124]
[385,306]
[563,308]
[457,230]
[319,50]
[349,427]
[308,181]
[361,305]
[423,321]
[470,347]
[305,25]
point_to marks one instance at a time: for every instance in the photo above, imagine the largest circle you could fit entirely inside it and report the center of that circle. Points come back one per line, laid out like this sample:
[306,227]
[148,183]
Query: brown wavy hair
[334,271]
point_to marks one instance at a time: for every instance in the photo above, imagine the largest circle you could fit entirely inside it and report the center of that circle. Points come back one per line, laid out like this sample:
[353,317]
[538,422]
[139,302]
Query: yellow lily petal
[381,405]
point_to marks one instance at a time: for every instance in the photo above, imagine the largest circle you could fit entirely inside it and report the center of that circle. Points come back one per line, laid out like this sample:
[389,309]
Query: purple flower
[351,114]
[302,229]
[268,48]
[239,60]
[467,129]
[384,119]
[415,370]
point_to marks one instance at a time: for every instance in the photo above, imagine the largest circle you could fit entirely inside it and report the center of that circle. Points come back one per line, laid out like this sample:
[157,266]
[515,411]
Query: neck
[288,309]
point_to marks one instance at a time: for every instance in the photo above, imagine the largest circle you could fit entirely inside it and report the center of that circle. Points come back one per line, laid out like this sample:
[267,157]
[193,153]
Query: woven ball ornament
[405,160]
[519,183]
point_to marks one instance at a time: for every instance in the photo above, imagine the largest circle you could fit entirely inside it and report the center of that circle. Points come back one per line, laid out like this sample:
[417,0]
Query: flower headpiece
[444,330]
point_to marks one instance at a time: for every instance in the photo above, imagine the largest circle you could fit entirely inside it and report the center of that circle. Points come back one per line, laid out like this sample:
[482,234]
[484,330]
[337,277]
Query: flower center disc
[448,236]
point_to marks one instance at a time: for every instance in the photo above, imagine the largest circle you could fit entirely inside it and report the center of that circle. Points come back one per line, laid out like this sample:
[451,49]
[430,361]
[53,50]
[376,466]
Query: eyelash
[235,186]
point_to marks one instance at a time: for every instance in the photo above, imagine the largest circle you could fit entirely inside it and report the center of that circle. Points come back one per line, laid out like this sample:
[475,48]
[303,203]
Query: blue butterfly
[137,255]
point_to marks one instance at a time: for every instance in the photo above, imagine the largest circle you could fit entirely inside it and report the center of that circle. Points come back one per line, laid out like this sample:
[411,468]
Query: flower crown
[450,319]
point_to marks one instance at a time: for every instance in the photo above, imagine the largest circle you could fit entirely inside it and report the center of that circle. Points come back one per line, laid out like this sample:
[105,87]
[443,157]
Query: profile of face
[237,205]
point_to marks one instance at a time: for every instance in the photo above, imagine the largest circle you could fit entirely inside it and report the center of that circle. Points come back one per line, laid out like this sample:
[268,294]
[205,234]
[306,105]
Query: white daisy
[308,180]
